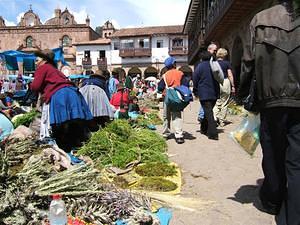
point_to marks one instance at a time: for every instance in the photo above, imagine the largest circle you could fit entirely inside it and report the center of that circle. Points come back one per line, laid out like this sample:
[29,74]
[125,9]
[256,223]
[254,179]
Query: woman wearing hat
[64,108]
[94,92]
[120,101]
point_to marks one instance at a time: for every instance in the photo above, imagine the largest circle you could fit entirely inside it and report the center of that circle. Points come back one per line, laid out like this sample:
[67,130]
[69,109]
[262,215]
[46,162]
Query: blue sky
[123,13]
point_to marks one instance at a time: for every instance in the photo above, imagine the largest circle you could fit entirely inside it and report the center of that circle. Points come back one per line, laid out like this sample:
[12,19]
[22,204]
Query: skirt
[68,104]
[97,100]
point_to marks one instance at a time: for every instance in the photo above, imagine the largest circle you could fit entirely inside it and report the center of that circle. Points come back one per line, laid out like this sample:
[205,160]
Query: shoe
[200,120]
[166,136]
[213,137]
[269,207]
[179,140]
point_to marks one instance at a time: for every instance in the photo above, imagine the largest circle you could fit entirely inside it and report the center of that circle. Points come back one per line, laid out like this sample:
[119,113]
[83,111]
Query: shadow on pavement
[188,136]
[247,194]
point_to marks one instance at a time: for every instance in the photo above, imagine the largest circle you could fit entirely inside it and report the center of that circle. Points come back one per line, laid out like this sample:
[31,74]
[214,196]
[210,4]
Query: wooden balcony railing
[102,63]
[87,63]
[173,51]
[135,52]
[223,15]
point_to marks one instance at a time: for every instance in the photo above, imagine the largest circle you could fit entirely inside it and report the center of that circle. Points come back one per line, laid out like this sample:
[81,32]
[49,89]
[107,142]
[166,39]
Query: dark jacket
[274,58]
[96,80]
[205,86]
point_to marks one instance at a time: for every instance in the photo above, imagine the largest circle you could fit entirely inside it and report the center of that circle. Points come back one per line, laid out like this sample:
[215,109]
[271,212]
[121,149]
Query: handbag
[251,102]
[216,71]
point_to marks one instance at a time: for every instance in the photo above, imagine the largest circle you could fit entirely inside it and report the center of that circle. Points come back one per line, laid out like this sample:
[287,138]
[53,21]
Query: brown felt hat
[46,54]
[99,73]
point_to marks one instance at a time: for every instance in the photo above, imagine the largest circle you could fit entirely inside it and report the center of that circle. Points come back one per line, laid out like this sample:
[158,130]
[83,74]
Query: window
[101,54]
[116,45]
[29,42]
[87,54]
[144,43]
[127,44]
[66,41]
[177,42]
[159,44]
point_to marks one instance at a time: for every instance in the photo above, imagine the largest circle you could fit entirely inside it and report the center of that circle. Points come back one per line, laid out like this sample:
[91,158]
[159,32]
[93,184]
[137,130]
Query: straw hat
[46,54]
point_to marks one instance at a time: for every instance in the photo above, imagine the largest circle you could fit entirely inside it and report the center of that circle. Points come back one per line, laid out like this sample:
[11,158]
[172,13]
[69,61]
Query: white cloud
[20,16]
[9,23]
[115,23]
[79,16]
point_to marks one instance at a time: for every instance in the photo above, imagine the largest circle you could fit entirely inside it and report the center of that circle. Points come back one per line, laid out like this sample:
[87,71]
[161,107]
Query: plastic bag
[247,133]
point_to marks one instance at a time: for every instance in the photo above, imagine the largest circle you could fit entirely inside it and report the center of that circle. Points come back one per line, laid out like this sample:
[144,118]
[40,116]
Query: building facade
[135,50]
[31,34]
[224,22]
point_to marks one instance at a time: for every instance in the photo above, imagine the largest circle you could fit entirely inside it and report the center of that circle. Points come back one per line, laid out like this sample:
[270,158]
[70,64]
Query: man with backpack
[171,79]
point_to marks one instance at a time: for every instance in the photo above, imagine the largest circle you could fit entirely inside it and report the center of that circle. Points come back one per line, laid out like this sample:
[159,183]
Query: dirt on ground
[219,175]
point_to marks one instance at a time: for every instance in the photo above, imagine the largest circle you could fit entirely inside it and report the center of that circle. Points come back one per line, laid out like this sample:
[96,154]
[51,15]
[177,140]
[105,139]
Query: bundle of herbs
[119,144]
[25,119]
[18,151]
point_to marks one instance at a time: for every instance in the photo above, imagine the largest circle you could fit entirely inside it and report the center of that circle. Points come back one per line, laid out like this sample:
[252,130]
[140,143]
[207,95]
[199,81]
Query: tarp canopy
[77,76]
[12,58]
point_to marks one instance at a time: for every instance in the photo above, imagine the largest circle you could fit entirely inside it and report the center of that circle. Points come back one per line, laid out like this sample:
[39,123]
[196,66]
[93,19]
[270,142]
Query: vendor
[94,92]
[120,101]
[65,114]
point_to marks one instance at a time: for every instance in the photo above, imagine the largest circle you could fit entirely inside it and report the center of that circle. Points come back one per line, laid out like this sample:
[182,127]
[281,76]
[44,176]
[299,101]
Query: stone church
[60,31]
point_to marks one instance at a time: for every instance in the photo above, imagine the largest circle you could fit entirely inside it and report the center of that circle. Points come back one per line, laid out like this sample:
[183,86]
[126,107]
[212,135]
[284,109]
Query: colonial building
[31,34]
[135,50]
[225,22]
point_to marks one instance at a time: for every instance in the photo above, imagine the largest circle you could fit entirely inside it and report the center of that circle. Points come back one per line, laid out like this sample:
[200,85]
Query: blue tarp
[12,58]
[164,215]
[77,76]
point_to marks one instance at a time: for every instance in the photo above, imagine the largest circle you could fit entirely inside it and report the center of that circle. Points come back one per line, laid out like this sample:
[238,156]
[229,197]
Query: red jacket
[48,80]
[116,99]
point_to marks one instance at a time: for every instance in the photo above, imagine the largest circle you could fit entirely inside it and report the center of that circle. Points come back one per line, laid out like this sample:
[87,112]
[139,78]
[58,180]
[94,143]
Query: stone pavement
[218,171]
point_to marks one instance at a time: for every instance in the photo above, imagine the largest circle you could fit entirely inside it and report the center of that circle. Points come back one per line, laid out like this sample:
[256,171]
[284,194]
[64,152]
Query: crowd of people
[70,112]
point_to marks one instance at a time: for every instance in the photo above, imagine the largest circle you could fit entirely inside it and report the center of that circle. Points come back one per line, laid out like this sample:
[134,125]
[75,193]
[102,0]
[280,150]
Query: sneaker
[179,140]
[166,136]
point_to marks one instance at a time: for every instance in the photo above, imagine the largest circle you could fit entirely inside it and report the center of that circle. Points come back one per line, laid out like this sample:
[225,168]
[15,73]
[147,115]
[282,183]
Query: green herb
[119,144]
[26,119]
[156,169]
[156,184]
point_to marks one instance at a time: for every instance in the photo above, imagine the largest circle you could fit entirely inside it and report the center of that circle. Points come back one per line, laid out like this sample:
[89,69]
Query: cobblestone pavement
[218,171]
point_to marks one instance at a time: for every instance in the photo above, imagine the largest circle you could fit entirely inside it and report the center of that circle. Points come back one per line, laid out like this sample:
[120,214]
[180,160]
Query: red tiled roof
[99,41]
[147,31]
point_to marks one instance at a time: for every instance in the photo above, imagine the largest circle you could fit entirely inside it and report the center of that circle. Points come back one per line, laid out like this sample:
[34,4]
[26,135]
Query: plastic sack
[247,133]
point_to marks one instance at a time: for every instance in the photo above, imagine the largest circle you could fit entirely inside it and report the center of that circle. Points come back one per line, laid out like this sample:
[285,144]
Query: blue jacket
[205,86]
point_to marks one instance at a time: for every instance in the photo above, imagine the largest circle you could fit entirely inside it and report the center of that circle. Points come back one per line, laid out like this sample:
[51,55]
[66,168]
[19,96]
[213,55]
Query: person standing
[220,109]
[171,78]
[274,59]
[212,49]
[65,114]
[93,91]
[208,91]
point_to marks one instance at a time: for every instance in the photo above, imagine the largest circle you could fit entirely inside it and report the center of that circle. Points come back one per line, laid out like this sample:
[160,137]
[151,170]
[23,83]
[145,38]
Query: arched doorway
[134,71]
[236,60]
[119,73]
[150,72]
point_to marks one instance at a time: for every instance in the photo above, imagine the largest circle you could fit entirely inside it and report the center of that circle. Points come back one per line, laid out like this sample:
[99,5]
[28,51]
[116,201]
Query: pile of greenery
[156,169]
[25,119]
[119,144]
